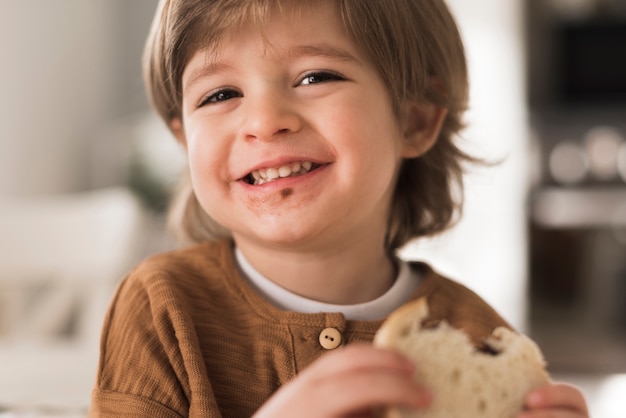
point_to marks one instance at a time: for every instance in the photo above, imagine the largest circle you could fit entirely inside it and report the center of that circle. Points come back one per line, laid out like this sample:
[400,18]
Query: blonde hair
[413,44]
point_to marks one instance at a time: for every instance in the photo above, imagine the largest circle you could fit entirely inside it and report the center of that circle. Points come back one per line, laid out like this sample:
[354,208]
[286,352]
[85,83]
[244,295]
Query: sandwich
[490,380]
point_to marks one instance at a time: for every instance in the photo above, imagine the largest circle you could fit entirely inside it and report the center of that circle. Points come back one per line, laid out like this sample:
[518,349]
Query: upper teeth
[265,175]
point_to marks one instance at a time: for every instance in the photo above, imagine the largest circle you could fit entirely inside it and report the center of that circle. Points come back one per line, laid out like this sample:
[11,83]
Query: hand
[555,401]
[348,382]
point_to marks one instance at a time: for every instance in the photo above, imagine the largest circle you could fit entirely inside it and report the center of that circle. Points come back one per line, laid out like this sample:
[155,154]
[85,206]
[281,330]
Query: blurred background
[86,171]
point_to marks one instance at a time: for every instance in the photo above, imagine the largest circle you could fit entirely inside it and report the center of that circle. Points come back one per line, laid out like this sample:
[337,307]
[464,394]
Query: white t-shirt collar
[404,286]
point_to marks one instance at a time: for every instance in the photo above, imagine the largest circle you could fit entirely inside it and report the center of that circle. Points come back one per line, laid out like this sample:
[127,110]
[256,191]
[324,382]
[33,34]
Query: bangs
[208,25]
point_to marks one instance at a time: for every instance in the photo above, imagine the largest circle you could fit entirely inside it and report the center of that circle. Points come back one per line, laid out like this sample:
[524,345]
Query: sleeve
[111,404]
[136,373]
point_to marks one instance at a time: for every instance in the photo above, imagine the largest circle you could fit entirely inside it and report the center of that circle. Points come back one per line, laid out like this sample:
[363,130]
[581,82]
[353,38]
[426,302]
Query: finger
[363,389]
[346,394]
[557,396]
[358,357]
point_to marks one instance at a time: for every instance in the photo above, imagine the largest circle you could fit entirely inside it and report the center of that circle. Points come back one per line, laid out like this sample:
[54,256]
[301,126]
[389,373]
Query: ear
[422,124]
[176,126]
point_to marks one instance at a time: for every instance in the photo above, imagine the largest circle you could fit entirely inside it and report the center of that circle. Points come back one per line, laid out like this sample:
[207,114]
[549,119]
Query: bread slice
[466,381]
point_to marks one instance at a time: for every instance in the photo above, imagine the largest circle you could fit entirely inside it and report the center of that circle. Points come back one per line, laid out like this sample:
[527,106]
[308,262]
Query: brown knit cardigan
[186,336]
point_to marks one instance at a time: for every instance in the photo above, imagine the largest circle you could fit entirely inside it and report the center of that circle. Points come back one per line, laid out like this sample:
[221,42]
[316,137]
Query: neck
[361,271]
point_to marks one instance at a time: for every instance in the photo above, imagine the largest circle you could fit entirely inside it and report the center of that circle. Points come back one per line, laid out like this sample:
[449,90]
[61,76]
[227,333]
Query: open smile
[269,174]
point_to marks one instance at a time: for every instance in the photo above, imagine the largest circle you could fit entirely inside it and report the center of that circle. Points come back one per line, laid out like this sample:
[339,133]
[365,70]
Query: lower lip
[286,181]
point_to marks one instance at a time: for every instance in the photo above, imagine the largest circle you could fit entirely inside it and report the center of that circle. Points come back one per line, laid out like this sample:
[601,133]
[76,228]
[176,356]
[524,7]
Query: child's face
[299,96]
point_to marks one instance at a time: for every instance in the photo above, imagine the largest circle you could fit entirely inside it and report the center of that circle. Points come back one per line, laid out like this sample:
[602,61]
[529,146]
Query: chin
[290,239]
[283,236]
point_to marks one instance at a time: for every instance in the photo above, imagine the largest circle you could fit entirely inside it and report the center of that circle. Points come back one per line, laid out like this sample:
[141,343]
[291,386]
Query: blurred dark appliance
[576,60]
[577,227]
[590,62]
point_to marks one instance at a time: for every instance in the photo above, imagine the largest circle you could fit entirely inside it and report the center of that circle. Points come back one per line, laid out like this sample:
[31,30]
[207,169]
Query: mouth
[270,174]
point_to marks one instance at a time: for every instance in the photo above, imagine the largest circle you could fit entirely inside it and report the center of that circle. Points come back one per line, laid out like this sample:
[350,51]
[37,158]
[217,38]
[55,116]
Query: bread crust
[468,381]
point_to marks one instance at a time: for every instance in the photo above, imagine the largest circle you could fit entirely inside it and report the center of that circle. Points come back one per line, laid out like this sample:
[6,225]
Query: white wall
[67,69]
[54,83]
[487,250]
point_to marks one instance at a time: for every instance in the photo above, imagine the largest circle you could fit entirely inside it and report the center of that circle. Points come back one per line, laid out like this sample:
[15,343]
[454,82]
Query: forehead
[277,33]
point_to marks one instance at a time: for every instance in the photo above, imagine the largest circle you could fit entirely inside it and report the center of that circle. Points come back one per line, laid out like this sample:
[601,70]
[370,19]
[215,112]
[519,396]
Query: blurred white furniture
[61,258]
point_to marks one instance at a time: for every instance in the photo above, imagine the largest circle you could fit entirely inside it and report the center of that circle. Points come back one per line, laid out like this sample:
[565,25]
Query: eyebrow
[206,70]
[322,50]
[318,50]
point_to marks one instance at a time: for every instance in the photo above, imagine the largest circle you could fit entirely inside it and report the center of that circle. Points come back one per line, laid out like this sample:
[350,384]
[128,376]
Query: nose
[269,116]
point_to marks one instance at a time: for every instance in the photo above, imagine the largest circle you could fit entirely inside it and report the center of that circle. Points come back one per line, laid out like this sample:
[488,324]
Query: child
[319,137]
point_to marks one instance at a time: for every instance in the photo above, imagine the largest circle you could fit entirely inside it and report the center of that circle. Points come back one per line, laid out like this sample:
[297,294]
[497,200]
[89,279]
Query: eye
[320,77]
[220,96]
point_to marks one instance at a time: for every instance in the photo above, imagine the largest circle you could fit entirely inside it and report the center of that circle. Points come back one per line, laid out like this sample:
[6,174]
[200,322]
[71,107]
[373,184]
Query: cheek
[204,155]
[371,133]
[197,152]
